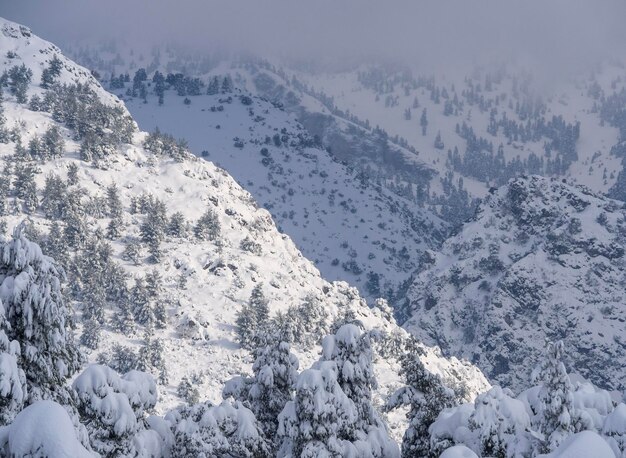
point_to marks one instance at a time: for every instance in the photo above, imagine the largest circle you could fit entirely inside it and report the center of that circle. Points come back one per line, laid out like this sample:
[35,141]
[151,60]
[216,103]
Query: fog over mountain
[554,38]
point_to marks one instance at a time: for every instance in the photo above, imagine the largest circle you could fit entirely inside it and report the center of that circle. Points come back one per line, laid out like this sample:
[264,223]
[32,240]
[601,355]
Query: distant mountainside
[162,250]
[542,259]
[320,176]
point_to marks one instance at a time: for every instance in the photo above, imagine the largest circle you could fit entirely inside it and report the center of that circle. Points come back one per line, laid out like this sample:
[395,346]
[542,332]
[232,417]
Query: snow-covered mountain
[541,259]
[320,176]
[163,249]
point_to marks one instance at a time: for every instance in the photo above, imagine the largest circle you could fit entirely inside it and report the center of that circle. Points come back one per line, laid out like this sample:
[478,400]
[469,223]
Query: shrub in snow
[44,429]
[614,429]
[35,317]
[458,451]
[204,431]
[583,445]
[113,407]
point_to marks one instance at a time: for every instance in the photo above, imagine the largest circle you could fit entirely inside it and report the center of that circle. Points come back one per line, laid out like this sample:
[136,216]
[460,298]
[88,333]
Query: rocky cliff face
[540,260]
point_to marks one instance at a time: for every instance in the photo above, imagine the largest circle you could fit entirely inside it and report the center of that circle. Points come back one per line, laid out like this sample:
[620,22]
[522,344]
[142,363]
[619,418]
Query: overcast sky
[555,37]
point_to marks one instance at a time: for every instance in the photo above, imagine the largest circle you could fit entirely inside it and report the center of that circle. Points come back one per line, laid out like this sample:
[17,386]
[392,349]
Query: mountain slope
[161,263]
[541,259]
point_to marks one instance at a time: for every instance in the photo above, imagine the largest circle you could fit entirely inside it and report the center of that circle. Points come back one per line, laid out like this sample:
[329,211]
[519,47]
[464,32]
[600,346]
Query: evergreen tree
[5,188]
[72,174]
[4,131]
[270,388]
[53,143]
[153,229]
[208,226]
[54,197]
[50,73]
[177,226]
[37,319]
[555,418]
[214,86]
[227,84]
[426,397]
[114,201]
[351,351]
[253,319]
[25,187]
[19,79]
[140,299]
[424,121]
[312,424]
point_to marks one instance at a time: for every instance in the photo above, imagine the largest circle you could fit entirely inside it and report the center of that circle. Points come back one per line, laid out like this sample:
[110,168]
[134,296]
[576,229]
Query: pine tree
[140,299]
[53,143]
[72,174]
[351,351]
[208,226]
[25,187]
[270,388]
[12,378]
[114,202]
[214,86]
[426,396]
[153,229]
[246,326]
[555,418]
[424,121]
[4,131]
[177,226]
[49,74]
[312,424]
[19,79]
[227,84]
[37,319]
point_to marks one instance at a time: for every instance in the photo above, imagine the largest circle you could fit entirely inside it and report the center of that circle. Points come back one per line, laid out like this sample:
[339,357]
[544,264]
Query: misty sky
[551,36]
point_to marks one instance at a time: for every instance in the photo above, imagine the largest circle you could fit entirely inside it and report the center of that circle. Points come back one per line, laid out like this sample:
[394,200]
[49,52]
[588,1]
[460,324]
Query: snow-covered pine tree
[19,79]
[500,424]
[313,423]
[13,389]
[214,86]
[36,317]
[426,396]
[270,388]
[208,226]
[142,307]
[177,226]
[246,326]
[350,351]
[556,417]
[153,228]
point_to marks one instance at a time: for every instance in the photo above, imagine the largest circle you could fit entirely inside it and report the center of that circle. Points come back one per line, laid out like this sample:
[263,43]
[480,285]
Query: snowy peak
[540,259]
[20,46]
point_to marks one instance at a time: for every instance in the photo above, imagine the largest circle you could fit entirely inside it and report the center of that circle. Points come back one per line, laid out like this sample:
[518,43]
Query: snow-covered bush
[204,430]
[113,407]
[43,429]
